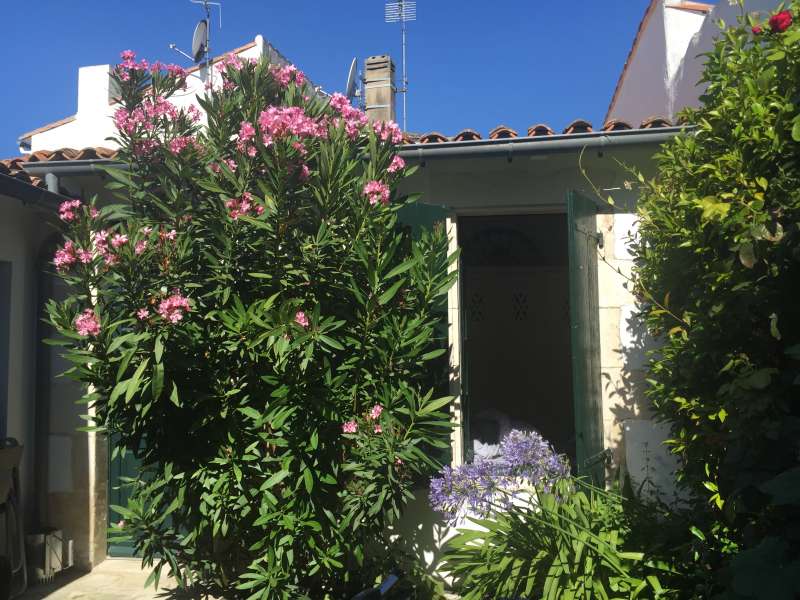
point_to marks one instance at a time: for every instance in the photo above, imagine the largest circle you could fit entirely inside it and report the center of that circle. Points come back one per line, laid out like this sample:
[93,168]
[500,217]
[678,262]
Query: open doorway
[516,364]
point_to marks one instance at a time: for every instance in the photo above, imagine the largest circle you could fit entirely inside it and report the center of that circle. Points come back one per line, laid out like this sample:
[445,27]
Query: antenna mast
[402,11]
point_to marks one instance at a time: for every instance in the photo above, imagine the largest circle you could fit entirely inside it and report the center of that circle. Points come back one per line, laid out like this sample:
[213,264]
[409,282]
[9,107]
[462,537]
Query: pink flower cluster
[100,241]
[349,427]
[68,255]
[129,64]
[243,206]
[145,116]
[388,131]
[181,143]
[246,133]
[301,319]
[354,119]
[216,168]
[279,121]
[231,61]
[284,75]
[397,164]
[377,191]
[375,412]
[173,308]
[66,210]
[373,415]
[87,323]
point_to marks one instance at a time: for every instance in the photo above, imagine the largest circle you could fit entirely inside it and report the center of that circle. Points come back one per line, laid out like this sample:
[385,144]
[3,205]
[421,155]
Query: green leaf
[389,294]
[434,405]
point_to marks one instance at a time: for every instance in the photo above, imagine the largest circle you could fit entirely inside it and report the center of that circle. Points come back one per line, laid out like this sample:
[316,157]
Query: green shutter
[119,468]
[585,334]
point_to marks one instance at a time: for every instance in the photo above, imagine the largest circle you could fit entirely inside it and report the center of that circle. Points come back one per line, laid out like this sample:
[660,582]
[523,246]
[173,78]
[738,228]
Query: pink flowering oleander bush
[258,328]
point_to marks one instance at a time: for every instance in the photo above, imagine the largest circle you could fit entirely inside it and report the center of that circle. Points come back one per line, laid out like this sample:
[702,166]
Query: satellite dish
[350,89]
[200,41]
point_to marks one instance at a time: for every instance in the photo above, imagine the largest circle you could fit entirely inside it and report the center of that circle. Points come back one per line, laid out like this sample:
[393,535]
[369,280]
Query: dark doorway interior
[516,330]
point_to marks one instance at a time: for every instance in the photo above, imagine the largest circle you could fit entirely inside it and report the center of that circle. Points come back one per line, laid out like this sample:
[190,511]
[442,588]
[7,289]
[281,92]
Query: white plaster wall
[93,123]
[644,88]
[685,91]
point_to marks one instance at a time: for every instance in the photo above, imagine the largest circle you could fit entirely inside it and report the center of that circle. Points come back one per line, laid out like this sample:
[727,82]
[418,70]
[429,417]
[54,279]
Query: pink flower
[377,429]
[231,164]
[780,22]
[65,257]
[142,314]
[171,235]
[280,121]
[179,144]
[84,256]
[66,210]
[194,113]
[119,239]
[87,323]
[377,191]
[375,412]
[172,308]
[304,173]
[94,213]
[301,319]
[349,427]
[398,461]
[397,164]
[127,55]
[146,230]
[284,75]
[757,30]
[352,118]
[140,247]
[388,131]
[246,131]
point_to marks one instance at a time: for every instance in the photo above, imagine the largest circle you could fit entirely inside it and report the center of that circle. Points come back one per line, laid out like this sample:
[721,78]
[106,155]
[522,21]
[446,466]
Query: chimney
[379,90]
[94,85]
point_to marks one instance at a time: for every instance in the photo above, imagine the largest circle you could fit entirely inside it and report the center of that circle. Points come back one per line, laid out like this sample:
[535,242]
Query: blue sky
[471,63]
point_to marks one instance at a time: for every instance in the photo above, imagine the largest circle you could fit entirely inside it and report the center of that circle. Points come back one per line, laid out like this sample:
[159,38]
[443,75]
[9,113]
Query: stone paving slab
[113,579]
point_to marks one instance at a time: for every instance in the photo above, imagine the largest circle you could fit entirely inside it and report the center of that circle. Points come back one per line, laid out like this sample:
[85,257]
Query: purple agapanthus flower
[525,459]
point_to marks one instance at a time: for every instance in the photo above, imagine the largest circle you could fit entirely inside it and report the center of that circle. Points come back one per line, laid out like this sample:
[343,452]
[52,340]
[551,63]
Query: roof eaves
[43,128]
[701,7]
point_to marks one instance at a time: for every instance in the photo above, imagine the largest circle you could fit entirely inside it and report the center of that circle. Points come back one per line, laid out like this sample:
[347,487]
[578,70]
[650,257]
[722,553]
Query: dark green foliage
[573,542]
[718,257]
[248,485]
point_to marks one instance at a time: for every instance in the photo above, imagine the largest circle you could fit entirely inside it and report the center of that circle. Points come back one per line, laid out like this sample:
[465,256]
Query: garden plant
[258,328]
[718,269]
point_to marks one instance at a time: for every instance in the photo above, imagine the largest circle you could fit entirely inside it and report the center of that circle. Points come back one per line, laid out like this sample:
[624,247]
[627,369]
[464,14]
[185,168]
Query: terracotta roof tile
[502,132]
[578,126]
[13,168]
[616,125]
[655,122]
[540,129]
[434,137]
[467,135]
[72,154]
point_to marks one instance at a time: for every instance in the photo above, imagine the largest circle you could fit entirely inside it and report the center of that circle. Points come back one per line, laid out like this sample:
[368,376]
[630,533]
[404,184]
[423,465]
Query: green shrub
[718,264]
[259,331]
[572,542]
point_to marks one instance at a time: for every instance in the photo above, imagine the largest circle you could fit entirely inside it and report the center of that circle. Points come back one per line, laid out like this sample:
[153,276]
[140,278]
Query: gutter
[551,144]
[28,194]
[69,167]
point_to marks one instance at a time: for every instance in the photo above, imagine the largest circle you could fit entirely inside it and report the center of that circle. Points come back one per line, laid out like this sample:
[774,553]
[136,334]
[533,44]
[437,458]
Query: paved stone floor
[113,579]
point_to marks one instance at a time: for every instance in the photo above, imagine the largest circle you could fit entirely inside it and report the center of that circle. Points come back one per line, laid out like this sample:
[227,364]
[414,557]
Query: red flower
[780,22]
[757,30]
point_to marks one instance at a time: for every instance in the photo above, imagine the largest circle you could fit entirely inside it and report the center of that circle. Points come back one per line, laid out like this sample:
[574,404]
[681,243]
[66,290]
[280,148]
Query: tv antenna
[402,11]
[352,88]
[201,38]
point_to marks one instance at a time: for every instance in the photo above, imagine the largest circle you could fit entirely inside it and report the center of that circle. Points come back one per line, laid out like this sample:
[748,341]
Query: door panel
[585,334]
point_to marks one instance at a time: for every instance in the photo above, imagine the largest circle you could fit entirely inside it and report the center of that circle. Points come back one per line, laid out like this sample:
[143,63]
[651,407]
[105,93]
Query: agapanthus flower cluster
[87,324]
[66,210]
[377,191]
[279,121]
[354,119]
[238,207]
[174,307]
[525,460]
[287,74]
